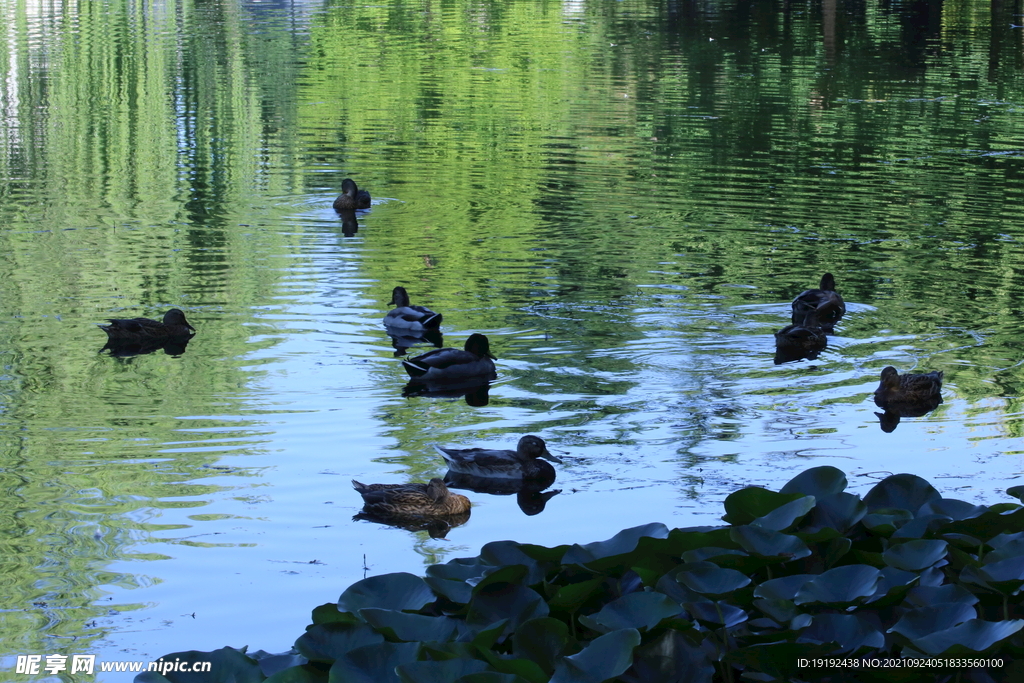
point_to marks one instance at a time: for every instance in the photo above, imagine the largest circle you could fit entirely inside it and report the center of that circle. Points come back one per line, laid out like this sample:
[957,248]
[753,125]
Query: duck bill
[548,456]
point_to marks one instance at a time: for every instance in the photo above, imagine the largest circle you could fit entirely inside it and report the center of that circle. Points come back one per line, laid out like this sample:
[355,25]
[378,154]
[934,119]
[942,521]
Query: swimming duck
[174,325]
[522,463]
[824,302]
[351,197]
[908,393]
[454,365]
[432,498]
[409,317]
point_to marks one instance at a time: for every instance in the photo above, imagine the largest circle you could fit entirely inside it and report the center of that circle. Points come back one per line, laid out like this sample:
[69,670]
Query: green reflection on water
[585,181]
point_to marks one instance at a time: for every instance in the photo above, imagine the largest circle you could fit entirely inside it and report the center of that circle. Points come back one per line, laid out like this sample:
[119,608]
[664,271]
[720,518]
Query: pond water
[624,197]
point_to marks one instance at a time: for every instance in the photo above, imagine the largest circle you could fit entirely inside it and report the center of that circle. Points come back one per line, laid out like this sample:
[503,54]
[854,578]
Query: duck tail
[413,369]
[433,321]
[358,486]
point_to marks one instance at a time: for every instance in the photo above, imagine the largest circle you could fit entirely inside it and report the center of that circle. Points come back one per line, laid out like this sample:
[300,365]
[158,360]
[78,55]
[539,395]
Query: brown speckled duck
[898,392]
[351,197]
[430,499]
[174,326]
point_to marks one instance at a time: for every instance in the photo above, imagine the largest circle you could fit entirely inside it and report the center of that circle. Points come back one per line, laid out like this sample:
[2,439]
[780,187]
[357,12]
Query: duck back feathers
[896,391]
[174,325]
[454,365]
[351,197]
[432,498]
[523,463]
[408,317]
[824,303]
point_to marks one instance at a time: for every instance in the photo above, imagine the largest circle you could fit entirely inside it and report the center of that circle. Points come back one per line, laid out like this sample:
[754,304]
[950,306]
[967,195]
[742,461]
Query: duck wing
[412,316]
[483,462]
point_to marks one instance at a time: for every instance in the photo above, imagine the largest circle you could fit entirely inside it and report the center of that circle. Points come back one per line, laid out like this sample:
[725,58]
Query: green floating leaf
[989,524]
[642,611]
[786,515]
[842,585]
[900,491]
[781,661]
[571,596]
[709,553]
[710,579]
[952,508]
[1017,492]
[885,522]
[226,664]
[541,641]
[399,591]
[302,674]
[781,611]
[848,631]
[719,612]
[510,574]
[402,626]
[839,512]
[923,596]
[969,637]
[1011,570]
[670,659]
[329,613]
[507,553]
[923,621]
[621,543]
[1005,550]
[606,657]
[820,482]
[746,505]
[915,555]
[782,588]
[692,538]
[438,672]
[373,663]
[270,664]
[328,642]
[455,579]
[765,542]
[922,526]
[505,601]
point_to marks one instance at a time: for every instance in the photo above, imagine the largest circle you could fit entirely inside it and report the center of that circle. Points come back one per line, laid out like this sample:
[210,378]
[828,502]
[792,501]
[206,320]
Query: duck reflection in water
[349,224]
[530,494]
[403,340]
[805,338]
[122,348]
[475,393]
[907,395]
[436,527]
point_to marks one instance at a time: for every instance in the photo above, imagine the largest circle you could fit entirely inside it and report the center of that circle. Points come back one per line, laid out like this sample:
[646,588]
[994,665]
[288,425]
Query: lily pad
[373,663]
[746,505]
[228,663]
[786,515]
[620,544]
[840,512]
[971,636]
[642,611]
[670,659]
[605,657]
[923,621]
[840,586]
[402,626]
[328,642]
[782,588]
[399,591]
[848,631]
[542,641]
[505,601]
[710,579]
[765,542]
[915,555]
[900,491]
[820,482]
[438,672]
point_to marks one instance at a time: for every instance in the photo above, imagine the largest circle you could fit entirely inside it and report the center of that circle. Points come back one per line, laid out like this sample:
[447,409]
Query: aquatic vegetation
[808,572]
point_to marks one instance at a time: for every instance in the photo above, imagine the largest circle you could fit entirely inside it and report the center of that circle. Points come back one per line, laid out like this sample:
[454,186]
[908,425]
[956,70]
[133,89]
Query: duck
[825,303]
[351,197]
[523,463]
[174,326]
[906,394]
[436,527]
[430,499]
[454,365]
[409,317]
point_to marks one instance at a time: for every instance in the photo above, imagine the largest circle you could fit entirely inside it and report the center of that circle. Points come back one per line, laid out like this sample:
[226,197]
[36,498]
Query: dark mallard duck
[454,365]
[430,499]
[522,463]
[174,326]
[351,197]
[824,302]
[408,317]
[904,394]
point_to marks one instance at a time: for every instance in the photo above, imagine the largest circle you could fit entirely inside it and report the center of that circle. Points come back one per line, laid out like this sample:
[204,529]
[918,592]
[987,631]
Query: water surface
[623,197]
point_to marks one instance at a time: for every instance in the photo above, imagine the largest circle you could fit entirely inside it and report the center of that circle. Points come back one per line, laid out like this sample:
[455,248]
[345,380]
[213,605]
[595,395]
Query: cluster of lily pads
[809,583]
